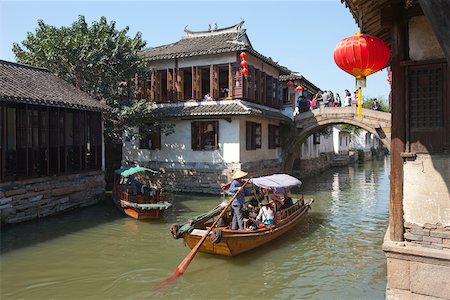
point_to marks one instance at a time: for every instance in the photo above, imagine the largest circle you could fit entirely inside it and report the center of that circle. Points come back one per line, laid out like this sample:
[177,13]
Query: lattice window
[425,96]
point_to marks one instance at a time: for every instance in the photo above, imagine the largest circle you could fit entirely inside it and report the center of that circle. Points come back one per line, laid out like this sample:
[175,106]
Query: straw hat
[239,174]
[265,202]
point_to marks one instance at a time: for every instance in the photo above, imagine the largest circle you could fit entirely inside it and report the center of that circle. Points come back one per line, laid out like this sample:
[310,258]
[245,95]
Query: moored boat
[139,201]
[224,241]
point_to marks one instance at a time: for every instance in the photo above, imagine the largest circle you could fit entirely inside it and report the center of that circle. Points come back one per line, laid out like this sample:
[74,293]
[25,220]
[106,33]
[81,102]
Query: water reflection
[98,253]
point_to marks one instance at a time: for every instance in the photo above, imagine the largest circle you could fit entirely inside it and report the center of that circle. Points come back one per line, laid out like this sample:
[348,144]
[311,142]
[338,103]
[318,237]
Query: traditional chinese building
[417,244]
[51,149]
[224,119]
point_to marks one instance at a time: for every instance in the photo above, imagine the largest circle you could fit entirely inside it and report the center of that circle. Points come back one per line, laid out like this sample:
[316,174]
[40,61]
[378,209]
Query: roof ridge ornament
[236,28]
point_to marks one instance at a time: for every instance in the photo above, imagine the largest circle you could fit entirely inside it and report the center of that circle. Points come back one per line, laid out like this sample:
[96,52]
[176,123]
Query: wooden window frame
[253,135]
[43,145]
[154,137]
[316,138]
[274,136]
[201,138]
[421,138]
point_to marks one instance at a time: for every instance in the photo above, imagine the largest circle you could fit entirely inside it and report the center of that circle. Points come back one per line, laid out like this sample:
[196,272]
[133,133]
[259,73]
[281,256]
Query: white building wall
[176,147]
[309,150]
[259,154]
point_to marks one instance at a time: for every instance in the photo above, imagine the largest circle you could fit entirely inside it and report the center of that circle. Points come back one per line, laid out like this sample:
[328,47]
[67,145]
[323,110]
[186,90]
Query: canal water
[98,253]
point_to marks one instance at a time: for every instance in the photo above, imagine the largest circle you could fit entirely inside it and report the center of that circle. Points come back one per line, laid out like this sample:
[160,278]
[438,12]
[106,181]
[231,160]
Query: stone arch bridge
[376,122]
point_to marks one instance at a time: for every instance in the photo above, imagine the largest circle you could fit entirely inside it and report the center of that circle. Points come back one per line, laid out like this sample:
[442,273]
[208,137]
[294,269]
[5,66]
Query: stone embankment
[40,197]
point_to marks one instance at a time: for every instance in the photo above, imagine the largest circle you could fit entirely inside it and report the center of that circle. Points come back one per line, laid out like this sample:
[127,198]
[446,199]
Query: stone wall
[206,178]
[429,235]
[418,271]
[308,167]
[40,197]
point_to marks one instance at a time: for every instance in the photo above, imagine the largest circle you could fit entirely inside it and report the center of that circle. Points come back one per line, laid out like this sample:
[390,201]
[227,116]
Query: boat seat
[199,232]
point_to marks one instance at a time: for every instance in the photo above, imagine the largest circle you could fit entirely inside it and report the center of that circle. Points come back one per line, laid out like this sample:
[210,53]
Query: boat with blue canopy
[274,189]
[137,199]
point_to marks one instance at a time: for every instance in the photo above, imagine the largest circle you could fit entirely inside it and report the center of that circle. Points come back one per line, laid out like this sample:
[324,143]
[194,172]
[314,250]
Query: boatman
[236,205]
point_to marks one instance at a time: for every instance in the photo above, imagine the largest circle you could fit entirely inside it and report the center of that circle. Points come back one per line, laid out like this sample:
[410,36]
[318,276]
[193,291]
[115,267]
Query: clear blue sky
[300,35]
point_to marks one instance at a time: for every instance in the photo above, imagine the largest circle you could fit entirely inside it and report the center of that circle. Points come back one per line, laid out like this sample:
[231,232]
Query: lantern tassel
[360,102]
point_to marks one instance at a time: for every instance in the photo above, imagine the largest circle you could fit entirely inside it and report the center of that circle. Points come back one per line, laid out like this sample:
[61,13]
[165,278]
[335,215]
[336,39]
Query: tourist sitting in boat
[265,214]
[287,201]
[278,202]
[253,207]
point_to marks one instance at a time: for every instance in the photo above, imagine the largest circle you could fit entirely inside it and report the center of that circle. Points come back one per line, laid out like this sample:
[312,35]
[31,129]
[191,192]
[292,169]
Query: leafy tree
[96,59]
[367,103]
[351,129]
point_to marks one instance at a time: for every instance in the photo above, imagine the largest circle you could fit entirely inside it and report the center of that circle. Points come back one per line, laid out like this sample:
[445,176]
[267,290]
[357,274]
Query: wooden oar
[187,260]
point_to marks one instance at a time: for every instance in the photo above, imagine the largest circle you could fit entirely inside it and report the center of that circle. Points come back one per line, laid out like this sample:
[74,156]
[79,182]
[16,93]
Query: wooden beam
[180,84]
[193,82]
[152,85]
[399,44]
[238,81]
[230,80]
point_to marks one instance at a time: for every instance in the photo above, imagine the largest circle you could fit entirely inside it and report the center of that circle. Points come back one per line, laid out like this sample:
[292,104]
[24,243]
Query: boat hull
[140,207]
[143,215]
[234,242]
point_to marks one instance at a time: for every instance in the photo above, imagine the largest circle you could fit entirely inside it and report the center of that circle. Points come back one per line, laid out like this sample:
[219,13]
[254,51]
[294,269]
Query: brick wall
[429,235]
[40,197]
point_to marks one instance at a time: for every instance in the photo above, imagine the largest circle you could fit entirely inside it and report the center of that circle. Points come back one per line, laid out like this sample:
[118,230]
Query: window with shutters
[274,136]
[316,138]
[253,135]
[205,135]
[150,140]
[41,141]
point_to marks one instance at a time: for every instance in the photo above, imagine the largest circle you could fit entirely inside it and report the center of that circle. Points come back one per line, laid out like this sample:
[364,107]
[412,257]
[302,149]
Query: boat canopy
[127,171]
[279,183]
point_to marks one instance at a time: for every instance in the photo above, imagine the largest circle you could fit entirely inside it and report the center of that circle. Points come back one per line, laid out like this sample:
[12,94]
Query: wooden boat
[227,242]
[148,202]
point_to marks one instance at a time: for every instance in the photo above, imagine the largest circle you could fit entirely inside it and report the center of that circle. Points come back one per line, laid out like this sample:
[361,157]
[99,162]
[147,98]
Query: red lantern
[244,63]
[244,71]
[361,55]
[299,89]
[290,84]
[243,55]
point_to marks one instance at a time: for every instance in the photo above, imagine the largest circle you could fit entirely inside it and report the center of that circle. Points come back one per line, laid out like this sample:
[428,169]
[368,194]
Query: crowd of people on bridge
[330,99]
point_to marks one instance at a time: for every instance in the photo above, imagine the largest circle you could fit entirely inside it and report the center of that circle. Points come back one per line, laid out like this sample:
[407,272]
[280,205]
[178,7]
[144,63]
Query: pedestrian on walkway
[325,98]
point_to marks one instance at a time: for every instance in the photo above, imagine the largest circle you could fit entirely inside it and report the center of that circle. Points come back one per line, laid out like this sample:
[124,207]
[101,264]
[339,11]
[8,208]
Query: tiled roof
[292,76]
[222,108]
[27,84]
[297,76]
[231,39]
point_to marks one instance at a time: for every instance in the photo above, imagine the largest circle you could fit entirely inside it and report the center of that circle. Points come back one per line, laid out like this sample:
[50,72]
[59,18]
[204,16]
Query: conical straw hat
[239,174]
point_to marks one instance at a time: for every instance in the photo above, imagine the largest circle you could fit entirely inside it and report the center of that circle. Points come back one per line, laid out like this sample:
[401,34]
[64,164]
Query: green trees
[94,58]
[367,103]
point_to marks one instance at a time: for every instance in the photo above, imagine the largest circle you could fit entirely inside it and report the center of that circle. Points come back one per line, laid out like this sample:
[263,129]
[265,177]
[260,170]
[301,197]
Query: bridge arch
[376,122]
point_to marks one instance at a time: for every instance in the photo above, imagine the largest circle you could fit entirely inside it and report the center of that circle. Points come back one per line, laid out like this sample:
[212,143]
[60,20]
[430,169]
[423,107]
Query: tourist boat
[227,242]
[147,203]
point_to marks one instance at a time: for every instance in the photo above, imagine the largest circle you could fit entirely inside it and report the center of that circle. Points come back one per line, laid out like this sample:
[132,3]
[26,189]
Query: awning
[279,183]
[127,171]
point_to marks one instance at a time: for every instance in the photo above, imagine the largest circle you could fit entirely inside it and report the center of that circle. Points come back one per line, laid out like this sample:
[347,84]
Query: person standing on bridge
[376,105]
[325,98]
[348,98]
[337,101]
